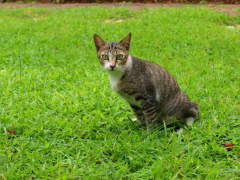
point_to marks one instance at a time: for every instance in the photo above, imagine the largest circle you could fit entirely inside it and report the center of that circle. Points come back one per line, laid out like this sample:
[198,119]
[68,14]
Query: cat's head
[113,55]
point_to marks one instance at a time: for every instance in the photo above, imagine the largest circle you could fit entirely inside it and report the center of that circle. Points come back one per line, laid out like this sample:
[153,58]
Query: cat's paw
[135,119]
[181,129]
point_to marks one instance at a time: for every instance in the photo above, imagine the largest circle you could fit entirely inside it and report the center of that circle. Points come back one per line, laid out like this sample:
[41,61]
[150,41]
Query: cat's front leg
[150,113]
[138,113]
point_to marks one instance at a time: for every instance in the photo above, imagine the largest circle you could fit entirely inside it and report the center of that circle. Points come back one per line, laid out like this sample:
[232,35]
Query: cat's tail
[191,111]
[195,108]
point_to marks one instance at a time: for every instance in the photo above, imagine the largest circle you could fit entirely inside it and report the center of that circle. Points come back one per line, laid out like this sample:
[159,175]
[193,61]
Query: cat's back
[154,76]
[149,70]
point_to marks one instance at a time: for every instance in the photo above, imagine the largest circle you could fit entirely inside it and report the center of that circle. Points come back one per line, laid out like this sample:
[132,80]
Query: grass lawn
[69,124]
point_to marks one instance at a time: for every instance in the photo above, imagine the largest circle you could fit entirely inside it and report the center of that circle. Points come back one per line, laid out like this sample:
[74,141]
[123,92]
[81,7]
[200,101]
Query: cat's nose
[112,66]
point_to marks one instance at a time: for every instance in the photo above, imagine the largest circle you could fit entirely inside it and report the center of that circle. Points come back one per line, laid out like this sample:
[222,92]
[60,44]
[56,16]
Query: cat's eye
[105,57]
[119,57]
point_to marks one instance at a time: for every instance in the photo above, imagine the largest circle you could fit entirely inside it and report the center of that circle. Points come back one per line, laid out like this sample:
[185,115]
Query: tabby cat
[153,94]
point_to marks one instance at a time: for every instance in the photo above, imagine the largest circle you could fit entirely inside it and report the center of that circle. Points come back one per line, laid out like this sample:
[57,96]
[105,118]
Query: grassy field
[59,118]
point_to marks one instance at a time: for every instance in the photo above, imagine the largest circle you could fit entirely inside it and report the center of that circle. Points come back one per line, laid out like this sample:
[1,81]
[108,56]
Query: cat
[153,94]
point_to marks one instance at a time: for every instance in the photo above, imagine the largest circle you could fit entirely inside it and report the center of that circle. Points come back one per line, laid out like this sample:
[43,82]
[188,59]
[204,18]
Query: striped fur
[153,94]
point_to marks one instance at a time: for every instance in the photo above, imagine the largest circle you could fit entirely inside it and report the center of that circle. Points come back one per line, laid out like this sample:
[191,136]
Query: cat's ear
[98,42]
[125,42]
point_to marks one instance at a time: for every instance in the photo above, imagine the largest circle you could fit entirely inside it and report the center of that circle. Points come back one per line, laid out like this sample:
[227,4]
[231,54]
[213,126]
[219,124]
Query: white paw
[180,130]
[135,119]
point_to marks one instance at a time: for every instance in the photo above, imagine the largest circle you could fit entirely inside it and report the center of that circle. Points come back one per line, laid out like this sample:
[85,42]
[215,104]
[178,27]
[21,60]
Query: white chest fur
[114,78]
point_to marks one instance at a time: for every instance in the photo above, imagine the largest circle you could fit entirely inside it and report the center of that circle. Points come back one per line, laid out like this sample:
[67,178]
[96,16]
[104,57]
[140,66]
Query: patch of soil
[228,9]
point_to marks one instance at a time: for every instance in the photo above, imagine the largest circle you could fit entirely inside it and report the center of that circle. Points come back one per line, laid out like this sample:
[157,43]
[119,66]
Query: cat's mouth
[115,69]
[111,69]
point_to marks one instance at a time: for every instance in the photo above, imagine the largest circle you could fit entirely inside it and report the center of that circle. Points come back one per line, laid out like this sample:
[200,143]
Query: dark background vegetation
[130,1]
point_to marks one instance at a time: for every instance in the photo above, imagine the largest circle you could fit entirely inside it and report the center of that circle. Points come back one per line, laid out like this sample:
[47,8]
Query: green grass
[68,122]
